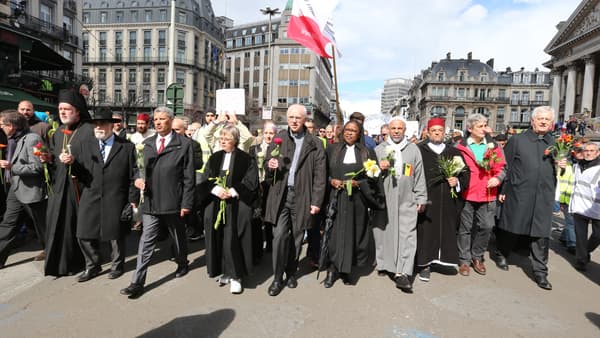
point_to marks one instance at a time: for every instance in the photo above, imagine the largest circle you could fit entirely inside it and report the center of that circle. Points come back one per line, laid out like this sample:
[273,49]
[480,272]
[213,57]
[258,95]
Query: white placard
[231,101]
[412,129]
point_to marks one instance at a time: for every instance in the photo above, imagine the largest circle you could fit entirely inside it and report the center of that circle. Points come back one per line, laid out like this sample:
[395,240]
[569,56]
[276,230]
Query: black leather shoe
[501,262]
[133,291]
[182,270]
[115,274]
[403,283]
[543,282]
[89,274]
[291,282]
[330,279]
[275,288]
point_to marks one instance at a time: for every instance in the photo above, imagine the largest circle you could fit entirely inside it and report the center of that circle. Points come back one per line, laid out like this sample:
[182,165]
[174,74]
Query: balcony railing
[35,26]
[467,98]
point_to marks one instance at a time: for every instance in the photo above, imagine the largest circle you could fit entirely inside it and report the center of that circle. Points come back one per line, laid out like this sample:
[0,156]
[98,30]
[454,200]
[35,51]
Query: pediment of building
[585,20]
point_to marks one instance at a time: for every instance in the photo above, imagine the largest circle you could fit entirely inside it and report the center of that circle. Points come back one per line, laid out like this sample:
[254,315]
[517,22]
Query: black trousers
[287,240]
[91,252]
[538,249]
[9,225]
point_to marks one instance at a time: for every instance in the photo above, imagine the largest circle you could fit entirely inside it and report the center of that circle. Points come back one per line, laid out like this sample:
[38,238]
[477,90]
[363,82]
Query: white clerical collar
[437,148]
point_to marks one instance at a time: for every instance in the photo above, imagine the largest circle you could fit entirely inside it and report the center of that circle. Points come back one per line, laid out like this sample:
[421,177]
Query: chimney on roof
[433,64]
[522,69]
[448,56]
[470,56]
[508,70]
[490,63]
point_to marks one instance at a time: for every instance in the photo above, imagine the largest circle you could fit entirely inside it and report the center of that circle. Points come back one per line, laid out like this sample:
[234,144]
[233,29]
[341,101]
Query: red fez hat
[143,117]
[436,121]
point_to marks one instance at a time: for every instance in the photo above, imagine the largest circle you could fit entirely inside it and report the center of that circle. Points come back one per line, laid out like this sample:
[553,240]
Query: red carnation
[39,145]
[547,152]
[277,140]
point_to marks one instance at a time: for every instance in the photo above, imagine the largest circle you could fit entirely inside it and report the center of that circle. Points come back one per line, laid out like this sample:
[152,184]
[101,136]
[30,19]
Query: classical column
[556,89]
[570,97]
[587,98]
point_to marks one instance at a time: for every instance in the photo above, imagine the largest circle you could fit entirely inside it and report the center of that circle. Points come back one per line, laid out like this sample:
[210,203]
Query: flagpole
[338,110]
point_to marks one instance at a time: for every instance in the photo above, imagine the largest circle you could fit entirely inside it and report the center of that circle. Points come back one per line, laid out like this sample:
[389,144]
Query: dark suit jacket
[107,188]
[170,176]
[27,171]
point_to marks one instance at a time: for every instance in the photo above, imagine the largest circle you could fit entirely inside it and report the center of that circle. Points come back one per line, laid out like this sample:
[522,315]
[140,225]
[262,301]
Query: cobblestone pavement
[500,304]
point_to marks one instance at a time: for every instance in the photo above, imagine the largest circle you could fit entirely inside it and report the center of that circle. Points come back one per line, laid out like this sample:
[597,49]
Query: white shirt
[108,143]
[167,139]
[350,156]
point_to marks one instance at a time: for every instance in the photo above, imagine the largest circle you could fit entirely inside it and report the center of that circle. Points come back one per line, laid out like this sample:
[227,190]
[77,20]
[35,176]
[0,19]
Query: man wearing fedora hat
[106,170]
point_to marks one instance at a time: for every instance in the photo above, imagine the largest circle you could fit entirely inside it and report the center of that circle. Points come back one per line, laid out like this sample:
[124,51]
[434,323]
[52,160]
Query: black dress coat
[170,176]
[529,185]
[229,247]
[351,238]
[437,226]
[107,189]
[309,182]
[63,255]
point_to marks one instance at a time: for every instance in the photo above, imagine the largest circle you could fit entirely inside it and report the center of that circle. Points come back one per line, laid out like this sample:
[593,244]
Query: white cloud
[382,39]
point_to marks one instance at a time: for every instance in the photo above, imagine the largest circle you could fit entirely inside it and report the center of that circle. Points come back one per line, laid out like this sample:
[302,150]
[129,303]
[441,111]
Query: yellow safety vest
[565,185]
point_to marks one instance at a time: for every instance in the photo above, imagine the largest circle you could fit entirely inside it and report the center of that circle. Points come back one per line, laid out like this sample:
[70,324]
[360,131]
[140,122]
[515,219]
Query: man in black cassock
[63,256]
[436,227]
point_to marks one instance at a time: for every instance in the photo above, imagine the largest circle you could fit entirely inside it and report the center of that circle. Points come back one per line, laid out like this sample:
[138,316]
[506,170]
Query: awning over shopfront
[35,55]
[10,98]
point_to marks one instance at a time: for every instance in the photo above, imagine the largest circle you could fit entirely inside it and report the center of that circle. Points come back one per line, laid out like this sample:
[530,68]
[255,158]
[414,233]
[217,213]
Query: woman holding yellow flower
[233,183]
[353,176]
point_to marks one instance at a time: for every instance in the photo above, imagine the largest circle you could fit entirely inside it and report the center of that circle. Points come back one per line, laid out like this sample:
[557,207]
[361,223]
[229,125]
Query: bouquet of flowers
[490,157]
[2,146]
[139,160]
[561,149]
[451,167]
[38,150]
[221,182]
[275,153]
[369,166]
[390,155]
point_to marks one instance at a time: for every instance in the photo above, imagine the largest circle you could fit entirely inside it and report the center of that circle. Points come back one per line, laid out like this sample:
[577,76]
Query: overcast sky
[398,38]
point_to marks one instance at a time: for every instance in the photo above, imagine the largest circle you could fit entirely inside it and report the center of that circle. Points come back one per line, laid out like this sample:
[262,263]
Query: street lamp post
[270,12]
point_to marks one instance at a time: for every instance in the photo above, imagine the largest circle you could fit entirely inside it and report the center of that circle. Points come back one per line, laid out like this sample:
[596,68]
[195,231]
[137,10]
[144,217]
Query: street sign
[175,98]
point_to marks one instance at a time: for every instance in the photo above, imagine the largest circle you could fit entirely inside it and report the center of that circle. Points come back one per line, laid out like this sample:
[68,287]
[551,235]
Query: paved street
[501,304]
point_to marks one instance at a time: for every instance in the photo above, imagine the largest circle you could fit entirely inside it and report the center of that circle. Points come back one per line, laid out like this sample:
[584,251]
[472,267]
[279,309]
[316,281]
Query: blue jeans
[568,233]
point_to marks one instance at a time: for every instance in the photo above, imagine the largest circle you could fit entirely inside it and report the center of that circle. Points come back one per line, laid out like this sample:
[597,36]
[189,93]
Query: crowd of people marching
[403,206]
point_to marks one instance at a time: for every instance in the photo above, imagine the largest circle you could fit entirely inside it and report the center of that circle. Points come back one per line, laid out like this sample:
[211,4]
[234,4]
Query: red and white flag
[311,25]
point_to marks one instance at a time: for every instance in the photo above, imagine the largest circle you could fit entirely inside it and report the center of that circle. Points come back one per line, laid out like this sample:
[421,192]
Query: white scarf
[398,147]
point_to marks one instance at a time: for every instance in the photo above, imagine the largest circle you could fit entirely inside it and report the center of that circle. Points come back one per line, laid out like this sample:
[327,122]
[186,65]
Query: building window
[118,96]
[258,39]
[162,53]
[118,54]
[461,76]
[102,76]
[132,38]
[514,98]
[68,55]
[541,78]
[147,53]
[147,38]
[460,112]
[119,16]
[525,98]
[514,116]
[132,75]
[46,13]
[182,17]
[539,96]
[161,75]
[101,96]
[102,54]
[440,76]
[248,41]
[118,38]
[103,17]
[134,16]
[146,96]
[229,43]
[118,75]
[148,16]
[68,23]
[483,77]
[502,93]
[86,17]
[162,38]
[438,111]
[131,96]
[238,42]
[163,15]
[180,76]
[102,39]
[146,76]
[500,114]
[160,96]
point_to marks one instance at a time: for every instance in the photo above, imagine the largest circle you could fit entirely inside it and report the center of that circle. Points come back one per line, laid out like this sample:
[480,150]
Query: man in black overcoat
[106,170]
